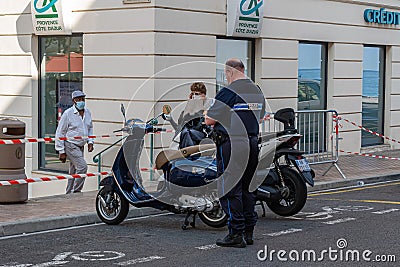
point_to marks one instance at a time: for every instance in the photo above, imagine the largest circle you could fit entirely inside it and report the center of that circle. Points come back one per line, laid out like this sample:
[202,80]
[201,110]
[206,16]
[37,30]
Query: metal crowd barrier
[320,136]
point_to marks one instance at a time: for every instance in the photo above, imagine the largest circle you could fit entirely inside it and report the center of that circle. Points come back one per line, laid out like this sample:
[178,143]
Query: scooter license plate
[303,165]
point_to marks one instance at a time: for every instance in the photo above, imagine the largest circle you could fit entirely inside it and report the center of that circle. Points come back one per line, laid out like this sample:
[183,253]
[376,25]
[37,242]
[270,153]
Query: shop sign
[51,17]
[382,16]
[245,18]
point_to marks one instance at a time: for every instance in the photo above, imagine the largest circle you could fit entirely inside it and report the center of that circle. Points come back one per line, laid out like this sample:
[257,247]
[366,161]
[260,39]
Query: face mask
[80,105]
[196,97]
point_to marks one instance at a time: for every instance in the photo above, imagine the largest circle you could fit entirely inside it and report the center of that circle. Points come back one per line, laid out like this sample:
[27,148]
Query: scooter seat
[265,137]
[169,154]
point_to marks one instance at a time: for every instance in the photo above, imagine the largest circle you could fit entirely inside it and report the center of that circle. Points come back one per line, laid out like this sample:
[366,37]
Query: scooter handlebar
[155,130]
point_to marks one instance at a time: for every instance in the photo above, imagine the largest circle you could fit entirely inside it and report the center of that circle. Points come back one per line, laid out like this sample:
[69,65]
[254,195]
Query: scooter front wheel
[216,218]
[112,208]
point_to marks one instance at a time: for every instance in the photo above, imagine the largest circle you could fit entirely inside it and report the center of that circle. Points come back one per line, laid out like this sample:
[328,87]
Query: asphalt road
[348,227]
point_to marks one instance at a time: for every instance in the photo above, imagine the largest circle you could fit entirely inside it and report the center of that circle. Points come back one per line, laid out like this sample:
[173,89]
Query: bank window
[311,94]
[61,71]
[312,76]
[234,48]
[373,94]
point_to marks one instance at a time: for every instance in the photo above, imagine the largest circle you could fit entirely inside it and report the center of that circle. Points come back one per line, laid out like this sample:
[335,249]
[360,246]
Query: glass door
[312,95]
[373,94]
[61,72]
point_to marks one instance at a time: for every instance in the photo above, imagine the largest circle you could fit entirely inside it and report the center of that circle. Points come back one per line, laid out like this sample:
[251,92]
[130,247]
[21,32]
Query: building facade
[310,54]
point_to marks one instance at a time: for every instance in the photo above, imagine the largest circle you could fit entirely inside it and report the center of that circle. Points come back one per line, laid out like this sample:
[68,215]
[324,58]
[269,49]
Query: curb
[52,223]
[352,182]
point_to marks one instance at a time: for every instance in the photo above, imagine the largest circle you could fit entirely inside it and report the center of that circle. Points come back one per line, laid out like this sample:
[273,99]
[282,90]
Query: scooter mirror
[166,109]
[123,111]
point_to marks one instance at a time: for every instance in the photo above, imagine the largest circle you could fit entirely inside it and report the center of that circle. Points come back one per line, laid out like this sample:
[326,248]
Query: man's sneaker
[248,237]
[232,240]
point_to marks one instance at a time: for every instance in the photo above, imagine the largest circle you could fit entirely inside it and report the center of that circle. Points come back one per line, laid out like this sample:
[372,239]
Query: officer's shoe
[248,237]
[232,240]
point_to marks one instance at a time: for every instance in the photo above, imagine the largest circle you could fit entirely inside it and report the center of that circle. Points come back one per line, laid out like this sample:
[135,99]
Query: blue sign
[382,16]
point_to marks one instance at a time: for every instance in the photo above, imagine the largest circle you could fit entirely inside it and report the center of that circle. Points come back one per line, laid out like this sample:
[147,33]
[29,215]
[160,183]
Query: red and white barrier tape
[52,139]
[51,178]
[368,155]
[58,178]
[368,130]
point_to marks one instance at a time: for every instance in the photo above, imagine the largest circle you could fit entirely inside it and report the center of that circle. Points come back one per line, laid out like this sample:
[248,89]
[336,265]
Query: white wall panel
[395,118]
[395,86]
[179,89]
[396,70]
[348,52]
[114,88]
[119,66]
[204,5]
[185,44]
[276,104]
[395,102]
[185,67]
[16,24]
[16,105]
[185,21]
[351,141]
[276,68]
[395,53]
[13,85]
[105,110]
[348,69]
[11,45]
[347,87]
[279,87]
[119,43]
[120,20]
[348,104]
[15,65]
[272,48]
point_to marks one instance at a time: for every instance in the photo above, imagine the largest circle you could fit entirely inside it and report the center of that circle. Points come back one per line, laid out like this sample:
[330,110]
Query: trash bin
[12,161]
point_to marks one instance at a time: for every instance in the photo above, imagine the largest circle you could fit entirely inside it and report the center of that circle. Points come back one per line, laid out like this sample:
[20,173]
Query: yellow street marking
[352,190]
[360,200]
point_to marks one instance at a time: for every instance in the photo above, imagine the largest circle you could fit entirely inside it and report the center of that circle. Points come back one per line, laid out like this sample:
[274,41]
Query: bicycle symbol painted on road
[328,212]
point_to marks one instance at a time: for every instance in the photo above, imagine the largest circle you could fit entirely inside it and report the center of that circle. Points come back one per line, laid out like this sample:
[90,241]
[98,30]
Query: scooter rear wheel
[297,197]
[112,208]
[216,218]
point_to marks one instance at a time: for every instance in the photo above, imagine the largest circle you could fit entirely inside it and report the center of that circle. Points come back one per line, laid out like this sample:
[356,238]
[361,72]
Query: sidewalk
[79,209]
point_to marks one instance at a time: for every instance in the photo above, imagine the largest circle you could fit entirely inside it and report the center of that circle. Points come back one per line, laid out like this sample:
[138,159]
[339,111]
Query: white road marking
[208,247]
[339,221]
[139,260]
[51,263]
[384,211]
[77,227]
[285,232]
[353,208]
[18,265]
[98,256]
[62,256]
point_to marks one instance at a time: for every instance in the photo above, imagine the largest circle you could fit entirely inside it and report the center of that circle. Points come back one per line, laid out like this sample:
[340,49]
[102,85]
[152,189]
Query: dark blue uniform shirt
[236,93]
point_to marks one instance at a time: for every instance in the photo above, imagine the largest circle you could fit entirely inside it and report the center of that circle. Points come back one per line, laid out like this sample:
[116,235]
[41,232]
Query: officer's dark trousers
[238,203]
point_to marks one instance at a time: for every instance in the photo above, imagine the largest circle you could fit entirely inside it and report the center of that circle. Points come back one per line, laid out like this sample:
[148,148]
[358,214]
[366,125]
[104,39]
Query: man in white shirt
[75,121]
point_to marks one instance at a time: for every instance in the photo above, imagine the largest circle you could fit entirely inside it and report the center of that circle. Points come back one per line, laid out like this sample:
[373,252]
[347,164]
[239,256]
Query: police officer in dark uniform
[235,115]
